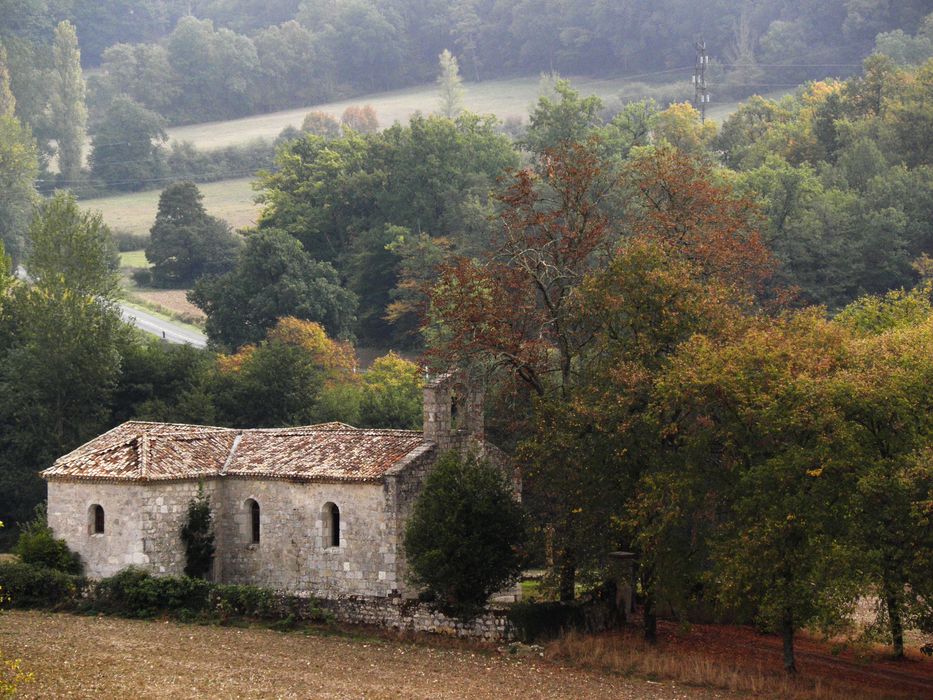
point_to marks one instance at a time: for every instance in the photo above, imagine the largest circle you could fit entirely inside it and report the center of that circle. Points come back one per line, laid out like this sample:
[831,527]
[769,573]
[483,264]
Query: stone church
[318,509]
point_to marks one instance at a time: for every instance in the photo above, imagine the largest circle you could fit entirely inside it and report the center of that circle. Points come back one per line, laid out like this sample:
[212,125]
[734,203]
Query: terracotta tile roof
[138,451]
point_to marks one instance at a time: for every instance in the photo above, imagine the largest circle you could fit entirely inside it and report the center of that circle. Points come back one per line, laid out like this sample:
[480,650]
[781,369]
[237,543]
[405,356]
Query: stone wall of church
[142,523]
[294,551]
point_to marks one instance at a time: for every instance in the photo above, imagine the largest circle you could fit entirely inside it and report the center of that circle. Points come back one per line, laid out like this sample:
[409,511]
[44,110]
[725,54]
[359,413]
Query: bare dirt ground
[97,657]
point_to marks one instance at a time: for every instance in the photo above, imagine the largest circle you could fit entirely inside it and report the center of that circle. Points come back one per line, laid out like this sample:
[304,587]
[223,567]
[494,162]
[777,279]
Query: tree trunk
[787,634]
[650,617]
[568,576]
[897,625]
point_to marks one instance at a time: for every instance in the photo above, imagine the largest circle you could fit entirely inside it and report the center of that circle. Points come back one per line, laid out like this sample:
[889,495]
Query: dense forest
[706,343]
[198,61]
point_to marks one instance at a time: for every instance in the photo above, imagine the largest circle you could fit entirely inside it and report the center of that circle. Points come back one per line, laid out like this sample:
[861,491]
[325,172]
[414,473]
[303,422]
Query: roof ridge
[233,448]
[144,456]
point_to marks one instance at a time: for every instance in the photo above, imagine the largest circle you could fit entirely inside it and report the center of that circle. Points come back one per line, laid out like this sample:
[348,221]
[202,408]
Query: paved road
[160,327]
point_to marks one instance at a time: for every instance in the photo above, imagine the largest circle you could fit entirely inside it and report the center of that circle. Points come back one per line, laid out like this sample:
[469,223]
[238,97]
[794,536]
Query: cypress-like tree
[68,109]
[450,84]
[7,100]
[198,535]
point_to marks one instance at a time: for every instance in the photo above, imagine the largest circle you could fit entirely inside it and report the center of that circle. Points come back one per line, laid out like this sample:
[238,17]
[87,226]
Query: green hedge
[30,586]
[137,594]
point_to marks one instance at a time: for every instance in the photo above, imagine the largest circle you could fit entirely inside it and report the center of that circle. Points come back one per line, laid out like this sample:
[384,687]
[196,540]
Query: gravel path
[91,657]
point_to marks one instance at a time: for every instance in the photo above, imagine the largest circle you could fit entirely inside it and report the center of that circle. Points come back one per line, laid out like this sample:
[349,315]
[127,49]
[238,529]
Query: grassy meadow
[504,98]
[231,200]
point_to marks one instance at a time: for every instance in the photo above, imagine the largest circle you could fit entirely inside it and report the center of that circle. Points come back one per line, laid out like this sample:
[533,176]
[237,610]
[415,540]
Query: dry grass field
[504,98]
[96,657]
[231,200]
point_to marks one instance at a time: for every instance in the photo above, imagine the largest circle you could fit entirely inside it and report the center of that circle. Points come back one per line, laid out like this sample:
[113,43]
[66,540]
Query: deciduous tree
[273,277]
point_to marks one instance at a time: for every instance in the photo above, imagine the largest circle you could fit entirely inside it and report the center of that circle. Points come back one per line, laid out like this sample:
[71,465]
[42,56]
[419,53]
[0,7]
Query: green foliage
[871,315]
[68,111]
[19,167]
[392,394]
[163,382]
[347,199]
[37,546]
[554,123]
[197,534]
[125,153]
[216,71]
[7,100]
[135,593]
[295,376]
[273,277]
[29,586]
[71,249]
[450,85]
[127,242]
[185,243]
[463,538]
[906,49]
[59,350]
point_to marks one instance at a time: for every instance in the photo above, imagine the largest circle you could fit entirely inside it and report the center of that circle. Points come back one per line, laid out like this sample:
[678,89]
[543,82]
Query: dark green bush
[198,536]
[241,601]
[126,241]
[37,545]
[536,621]
[40,548]
[142,277]
[464,538]
[29,586]
[136,593]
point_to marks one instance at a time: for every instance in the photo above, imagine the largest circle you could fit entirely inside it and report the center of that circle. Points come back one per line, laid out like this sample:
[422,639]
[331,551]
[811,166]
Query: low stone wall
[413,616]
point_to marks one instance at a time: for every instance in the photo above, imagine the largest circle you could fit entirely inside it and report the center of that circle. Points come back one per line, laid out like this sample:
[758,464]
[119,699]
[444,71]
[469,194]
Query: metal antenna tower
[700,89]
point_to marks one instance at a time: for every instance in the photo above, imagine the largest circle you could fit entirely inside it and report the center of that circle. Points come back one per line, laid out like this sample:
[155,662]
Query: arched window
[331,522]
[253,507]
[95,523]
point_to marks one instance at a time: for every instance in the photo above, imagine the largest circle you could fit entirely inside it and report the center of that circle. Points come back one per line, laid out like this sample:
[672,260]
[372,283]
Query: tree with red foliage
[512,310]
[521,309]
[680,200]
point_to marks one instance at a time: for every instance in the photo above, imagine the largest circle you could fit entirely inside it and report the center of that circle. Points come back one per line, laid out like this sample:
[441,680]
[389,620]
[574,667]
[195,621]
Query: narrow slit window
[334,526]
[254,521]
[330,526]
[97,519]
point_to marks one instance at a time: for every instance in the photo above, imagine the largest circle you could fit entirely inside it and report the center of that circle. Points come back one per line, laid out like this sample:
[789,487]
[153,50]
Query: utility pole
[700,90]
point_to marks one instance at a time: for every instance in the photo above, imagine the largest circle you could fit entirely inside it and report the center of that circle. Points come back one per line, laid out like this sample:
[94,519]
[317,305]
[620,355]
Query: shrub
[534,621]
[37,546]
[136,593]
[464,536]
[198,536]
[30,586]
[142,277]
[126,241]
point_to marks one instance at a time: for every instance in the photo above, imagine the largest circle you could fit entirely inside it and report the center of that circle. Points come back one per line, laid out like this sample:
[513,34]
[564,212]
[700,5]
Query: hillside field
[504,98]
[231,200]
